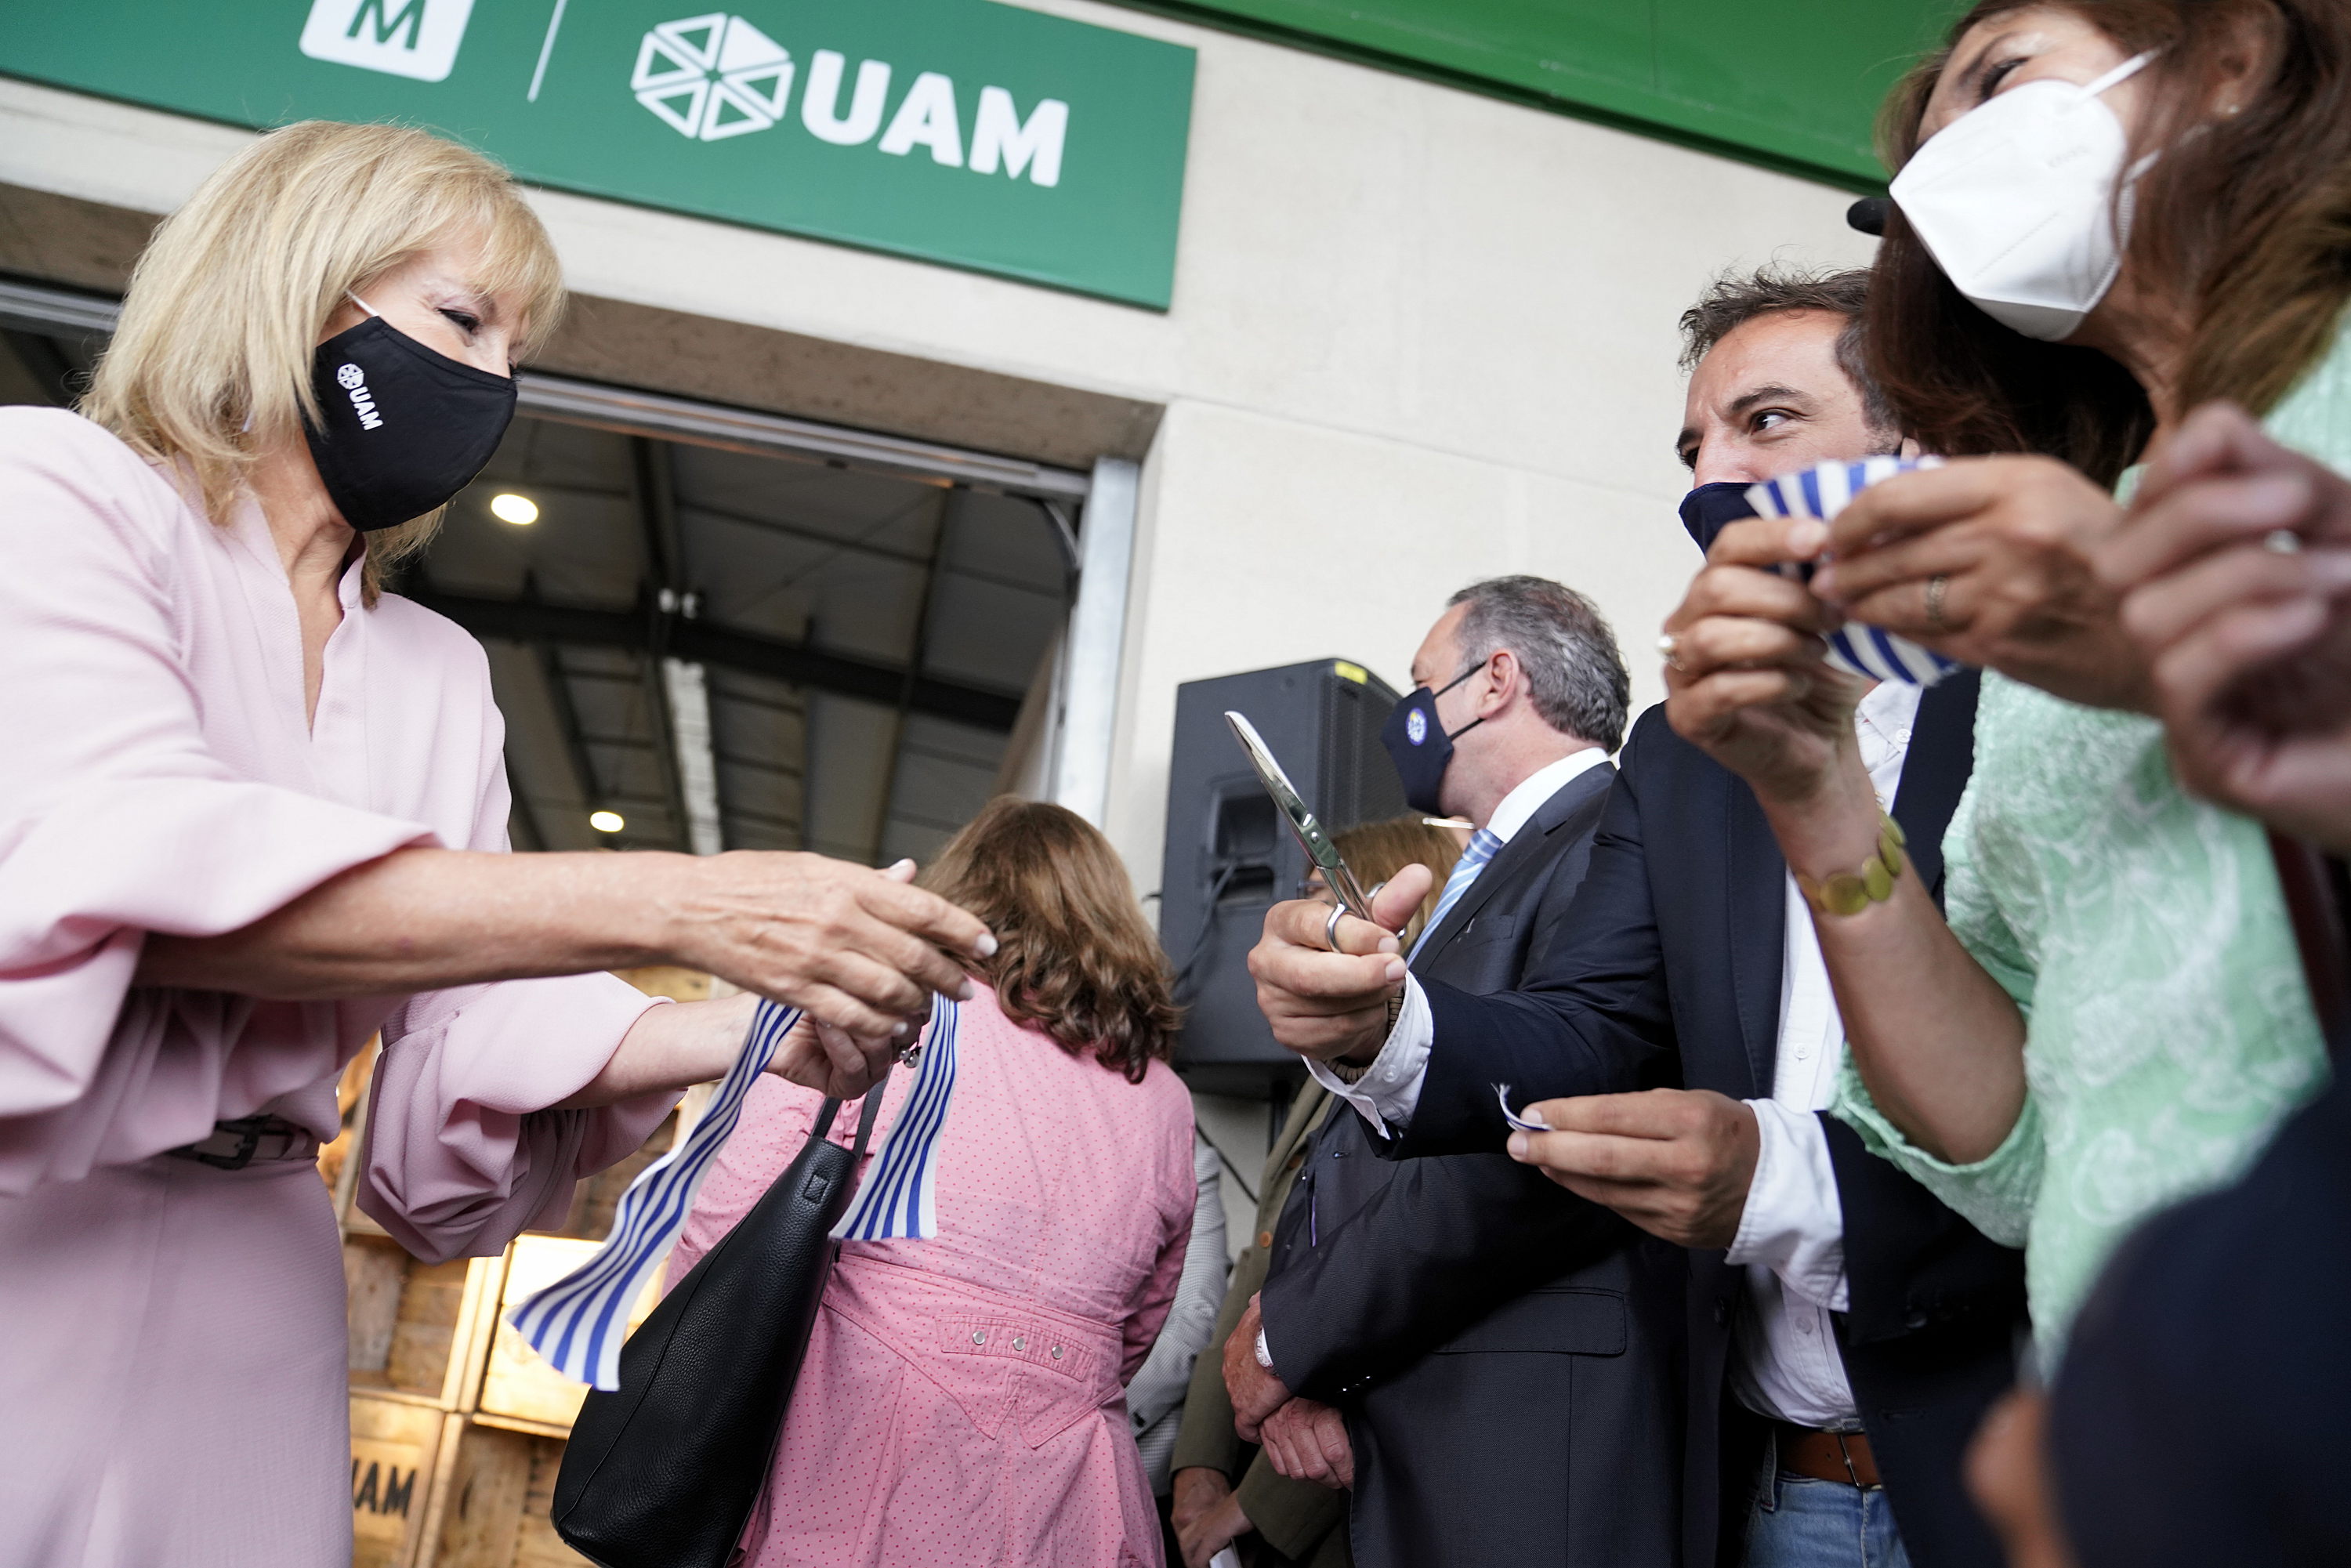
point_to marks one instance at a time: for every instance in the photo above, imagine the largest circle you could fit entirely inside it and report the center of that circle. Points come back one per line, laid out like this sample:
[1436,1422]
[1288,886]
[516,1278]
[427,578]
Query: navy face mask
[403,429]
[1710,509]
[1417,743]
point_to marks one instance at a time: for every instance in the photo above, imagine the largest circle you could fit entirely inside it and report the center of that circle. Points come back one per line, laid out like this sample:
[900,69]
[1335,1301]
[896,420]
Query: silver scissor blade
[1303,825]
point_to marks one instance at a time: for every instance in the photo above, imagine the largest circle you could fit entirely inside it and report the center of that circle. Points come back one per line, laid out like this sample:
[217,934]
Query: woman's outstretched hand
[1745,678]
[858,950]
[671,1047]
[2235,570]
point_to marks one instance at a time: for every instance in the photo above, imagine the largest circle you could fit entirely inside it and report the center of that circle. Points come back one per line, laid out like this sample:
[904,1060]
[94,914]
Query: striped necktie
[1482,847]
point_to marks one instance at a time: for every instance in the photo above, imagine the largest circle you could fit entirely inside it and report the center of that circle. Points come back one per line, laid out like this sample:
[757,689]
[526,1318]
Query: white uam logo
[715,76]
[354,382]
[712,77]
[415,38]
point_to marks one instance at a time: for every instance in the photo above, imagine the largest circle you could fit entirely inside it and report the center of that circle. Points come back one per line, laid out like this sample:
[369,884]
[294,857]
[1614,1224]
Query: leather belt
[232,1145]
[1821,1456]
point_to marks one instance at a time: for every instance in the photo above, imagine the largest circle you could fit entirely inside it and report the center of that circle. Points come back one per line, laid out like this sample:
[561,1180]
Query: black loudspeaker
[1229,856]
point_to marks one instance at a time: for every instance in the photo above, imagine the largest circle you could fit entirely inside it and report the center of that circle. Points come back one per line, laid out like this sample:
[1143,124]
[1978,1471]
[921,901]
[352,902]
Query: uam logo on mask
[354,382]
[415,38]
[1415,727]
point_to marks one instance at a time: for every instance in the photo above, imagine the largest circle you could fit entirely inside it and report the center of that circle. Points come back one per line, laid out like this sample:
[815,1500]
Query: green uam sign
[962,132]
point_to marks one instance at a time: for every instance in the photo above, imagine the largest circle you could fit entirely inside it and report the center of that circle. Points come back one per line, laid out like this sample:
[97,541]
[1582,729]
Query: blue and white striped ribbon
[1822,492]
[577,1323]
[899,1200]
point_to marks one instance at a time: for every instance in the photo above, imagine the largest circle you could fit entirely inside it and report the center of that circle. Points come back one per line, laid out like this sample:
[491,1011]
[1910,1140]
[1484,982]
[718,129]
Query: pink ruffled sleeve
[116,820]
[460,1158]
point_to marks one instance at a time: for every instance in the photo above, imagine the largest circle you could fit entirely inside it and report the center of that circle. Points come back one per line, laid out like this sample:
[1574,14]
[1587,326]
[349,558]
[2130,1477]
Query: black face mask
[1417,743]
[404,429]
[1710,508]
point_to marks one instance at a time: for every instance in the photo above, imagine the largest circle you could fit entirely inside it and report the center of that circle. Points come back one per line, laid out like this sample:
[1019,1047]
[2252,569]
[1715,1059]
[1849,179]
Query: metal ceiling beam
[676,694]
[944,520]
[521,811]
[795,664]
[576,756]
[776,435]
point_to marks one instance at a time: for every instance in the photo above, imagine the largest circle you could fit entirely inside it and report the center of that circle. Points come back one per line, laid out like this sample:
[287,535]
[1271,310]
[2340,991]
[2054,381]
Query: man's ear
[1503,677]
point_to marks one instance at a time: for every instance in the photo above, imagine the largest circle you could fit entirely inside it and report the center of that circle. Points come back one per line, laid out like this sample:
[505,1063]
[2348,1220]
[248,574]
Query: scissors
[1353,899]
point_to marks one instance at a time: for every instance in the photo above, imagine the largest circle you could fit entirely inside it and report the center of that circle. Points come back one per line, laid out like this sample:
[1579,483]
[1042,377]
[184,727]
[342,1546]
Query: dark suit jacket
[2200,1415]
[1671,960]
[1506,1354]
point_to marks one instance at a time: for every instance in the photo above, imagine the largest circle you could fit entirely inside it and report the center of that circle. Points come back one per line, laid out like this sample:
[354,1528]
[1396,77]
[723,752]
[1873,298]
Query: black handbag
[663,1471]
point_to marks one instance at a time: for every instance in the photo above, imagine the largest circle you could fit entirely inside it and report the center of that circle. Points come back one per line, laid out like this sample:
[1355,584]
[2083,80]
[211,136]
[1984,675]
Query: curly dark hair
[1075,955]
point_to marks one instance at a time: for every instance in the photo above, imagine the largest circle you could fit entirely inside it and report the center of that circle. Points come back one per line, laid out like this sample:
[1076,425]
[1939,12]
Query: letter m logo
[415,38]
[403,21]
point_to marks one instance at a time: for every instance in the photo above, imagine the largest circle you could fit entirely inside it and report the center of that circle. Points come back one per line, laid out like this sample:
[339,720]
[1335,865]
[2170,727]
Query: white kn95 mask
[2016,199]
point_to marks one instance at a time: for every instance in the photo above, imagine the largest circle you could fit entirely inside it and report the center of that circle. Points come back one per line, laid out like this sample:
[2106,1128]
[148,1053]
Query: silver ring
[1936,586]
[1667,645]
[2282,541]
[1330,926]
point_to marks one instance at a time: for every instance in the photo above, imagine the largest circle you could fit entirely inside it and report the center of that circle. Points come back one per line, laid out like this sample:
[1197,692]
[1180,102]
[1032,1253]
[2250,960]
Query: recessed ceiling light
[519,510]
[606,821]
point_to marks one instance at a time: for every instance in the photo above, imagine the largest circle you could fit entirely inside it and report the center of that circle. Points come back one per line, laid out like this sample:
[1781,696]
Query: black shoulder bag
[663,1471]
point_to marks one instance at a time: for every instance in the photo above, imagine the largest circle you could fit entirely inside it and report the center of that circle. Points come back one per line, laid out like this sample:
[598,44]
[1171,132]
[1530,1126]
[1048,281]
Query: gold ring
[1936,585]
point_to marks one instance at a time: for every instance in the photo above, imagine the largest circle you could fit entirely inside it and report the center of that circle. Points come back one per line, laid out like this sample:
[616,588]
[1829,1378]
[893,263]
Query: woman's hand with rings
[1987,561]
[859,951]
[1937,586]
[2235,572]
[1744,675]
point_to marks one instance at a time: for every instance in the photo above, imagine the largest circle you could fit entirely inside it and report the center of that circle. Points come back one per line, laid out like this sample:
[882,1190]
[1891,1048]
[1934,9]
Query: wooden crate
[520,1383]
[458,1422]
[395,1444]
[519,1389]
[416,1327]
[501,1488]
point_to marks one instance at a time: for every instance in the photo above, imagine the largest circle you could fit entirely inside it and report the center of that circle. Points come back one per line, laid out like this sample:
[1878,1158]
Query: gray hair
[1575,676]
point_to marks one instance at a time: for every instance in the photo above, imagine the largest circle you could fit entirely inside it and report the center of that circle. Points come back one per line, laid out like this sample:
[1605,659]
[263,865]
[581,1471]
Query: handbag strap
[870,1111]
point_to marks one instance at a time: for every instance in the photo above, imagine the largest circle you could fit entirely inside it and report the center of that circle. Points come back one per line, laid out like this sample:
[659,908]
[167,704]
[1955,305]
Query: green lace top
[2143,933]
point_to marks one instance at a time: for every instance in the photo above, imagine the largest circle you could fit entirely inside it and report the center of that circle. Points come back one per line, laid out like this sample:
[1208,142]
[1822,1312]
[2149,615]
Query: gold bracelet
[1851,892]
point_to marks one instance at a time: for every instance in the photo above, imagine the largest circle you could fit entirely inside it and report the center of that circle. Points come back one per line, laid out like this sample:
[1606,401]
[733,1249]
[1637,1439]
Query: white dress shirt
[1791,1234]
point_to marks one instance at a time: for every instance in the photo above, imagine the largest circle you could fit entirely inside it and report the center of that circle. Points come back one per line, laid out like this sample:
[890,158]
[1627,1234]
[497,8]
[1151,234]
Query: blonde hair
[1376,851]
[210,365]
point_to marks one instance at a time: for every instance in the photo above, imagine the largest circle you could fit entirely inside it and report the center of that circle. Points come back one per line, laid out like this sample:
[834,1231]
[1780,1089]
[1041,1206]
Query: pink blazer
[172,1347]
[962,1399]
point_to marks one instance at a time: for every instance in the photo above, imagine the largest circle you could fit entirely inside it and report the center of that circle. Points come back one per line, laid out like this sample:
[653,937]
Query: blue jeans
[1798,1522]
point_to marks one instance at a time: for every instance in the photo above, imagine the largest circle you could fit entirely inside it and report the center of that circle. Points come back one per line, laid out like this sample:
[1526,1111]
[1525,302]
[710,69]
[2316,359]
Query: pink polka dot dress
[962,1399]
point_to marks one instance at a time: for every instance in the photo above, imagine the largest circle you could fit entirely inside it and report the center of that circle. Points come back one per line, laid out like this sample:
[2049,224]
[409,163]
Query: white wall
[1419,336]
